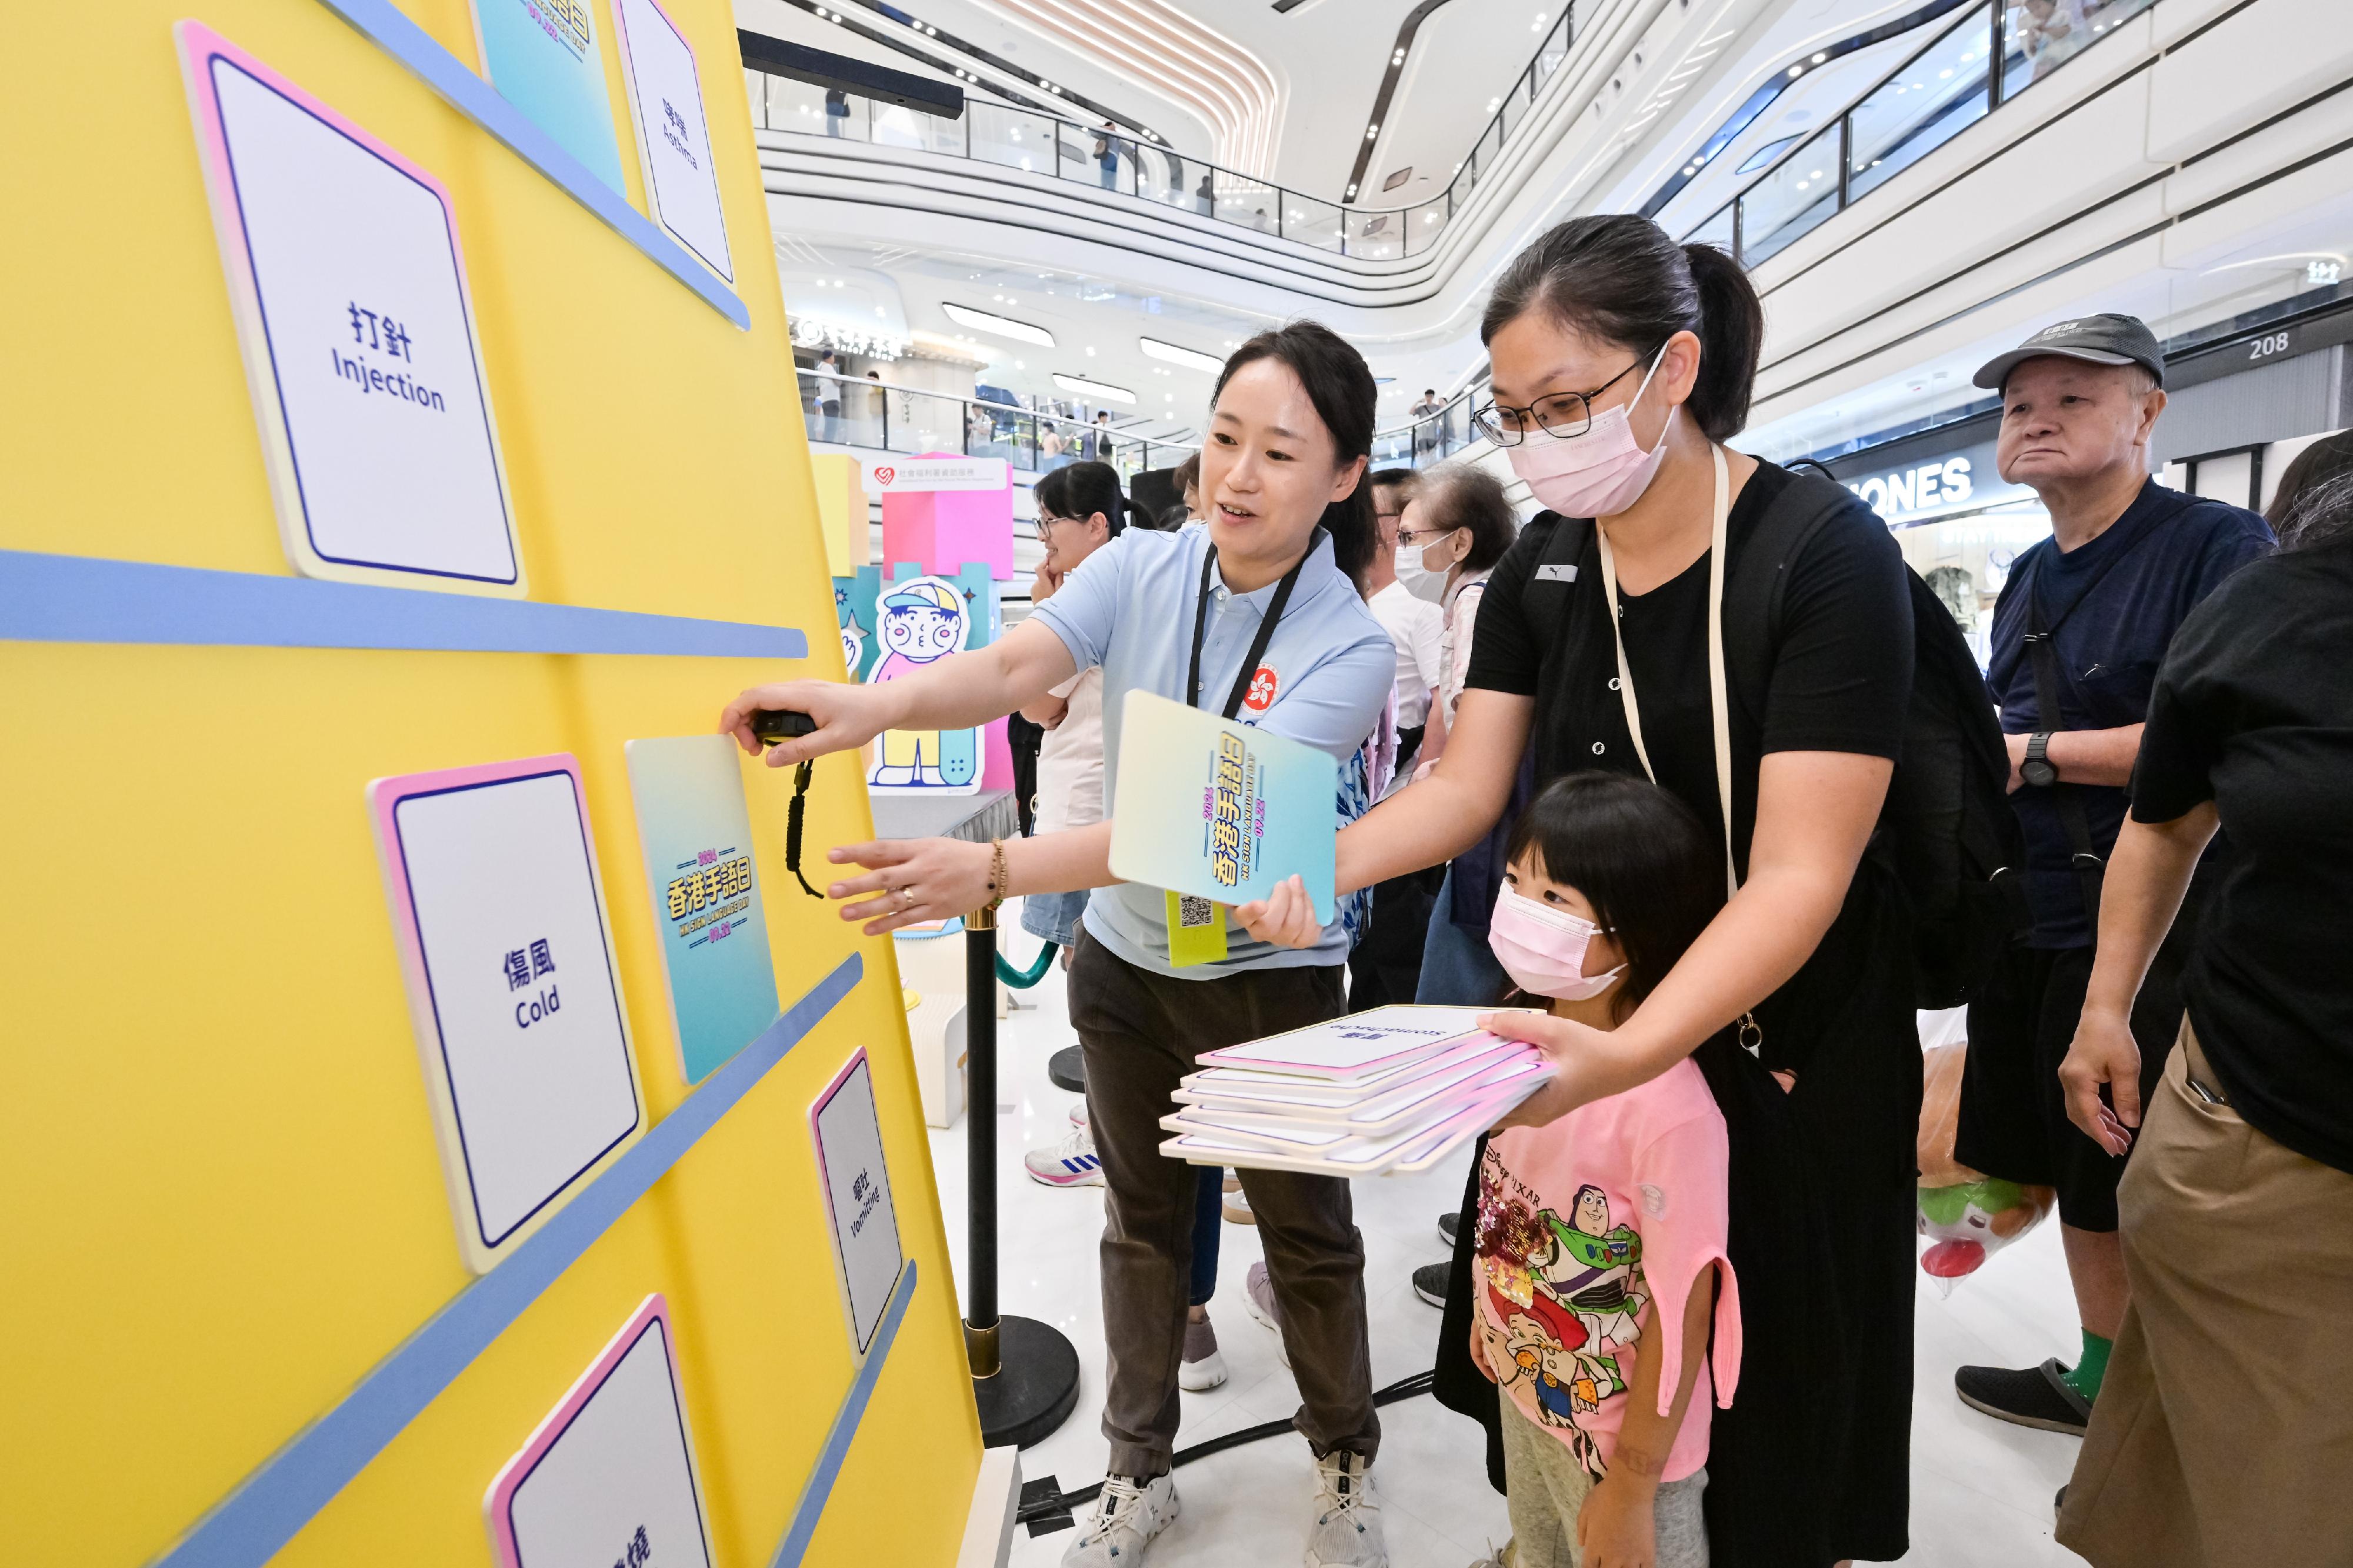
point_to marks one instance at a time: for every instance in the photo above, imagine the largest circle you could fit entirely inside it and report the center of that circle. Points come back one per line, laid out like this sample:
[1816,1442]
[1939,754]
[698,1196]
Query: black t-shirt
[1841,674]
[2253,710]
[2112,607]
[1840,681]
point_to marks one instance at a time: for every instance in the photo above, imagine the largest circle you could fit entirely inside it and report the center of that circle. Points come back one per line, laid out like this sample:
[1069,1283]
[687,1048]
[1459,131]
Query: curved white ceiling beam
[1161,49]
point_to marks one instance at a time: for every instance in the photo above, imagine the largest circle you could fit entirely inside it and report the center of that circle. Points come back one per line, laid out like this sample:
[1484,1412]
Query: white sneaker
[1236,1204]
[1347,1530]
[1203,1367]
[1257,1294]
[1069,1164]
[1127,1515]
[1079,1114]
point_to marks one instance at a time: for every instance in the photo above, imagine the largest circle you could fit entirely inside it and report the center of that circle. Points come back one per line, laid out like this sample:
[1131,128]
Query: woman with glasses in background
[1622,362]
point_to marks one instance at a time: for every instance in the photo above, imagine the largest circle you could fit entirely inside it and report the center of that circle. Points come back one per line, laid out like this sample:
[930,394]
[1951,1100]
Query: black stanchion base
[1035,1388]
[1067,1068]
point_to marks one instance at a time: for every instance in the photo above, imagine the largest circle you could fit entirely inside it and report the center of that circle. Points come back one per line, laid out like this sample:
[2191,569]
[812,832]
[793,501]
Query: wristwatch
[2038,769]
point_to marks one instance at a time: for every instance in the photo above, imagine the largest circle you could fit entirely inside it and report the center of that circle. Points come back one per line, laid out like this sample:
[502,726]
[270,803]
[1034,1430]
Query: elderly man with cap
[2078,633]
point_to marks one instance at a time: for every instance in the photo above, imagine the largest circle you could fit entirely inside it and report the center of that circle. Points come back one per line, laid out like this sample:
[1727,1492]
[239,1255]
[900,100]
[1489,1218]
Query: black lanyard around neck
[1258,644]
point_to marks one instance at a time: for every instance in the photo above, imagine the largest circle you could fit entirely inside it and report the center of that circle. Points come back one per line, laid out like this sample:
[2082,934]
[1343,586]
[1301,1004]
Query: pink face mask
[1598,474]
[1542,949]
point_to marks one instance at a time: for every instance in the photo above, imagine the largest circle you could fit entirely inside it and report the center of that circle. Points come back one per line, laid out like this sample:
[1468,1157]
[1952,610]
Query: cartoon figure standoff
[923,620]
[1569,1296]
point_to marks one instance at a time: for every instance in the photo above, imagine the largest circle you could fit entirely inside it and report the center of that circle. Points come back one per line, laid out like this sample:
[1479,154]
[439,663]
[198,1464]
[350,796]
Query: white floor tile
[1981,1490]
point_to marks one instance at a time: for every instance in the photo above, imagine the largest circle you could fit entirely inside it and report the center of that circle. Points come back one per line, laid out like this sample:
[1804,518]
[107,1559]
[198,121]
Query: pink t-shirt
[1582,1222]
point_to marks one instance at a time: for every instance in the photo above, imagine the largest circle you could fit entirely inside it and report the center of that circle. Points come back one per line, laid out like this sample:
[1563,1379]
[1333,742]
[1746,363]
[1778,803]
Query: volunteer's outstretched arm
[1428,824]
[953,693]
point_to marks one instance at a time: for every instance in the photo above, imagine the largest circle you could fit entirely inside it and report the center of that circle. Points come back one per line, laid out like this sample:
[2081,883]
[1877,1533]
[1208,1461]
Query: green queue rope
[1022,979]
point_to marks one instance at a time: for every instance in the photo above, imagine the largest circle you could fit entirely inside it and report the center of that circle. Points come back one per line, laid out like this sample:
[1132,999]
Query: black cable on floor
[1071,1502]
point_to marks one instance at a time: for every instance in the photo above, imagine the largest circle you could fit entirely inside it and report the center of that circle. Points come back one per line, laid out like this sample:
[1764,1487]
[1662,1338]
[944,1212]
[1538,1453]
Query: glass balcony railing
[848,411]
[1116,161]
[1985,58]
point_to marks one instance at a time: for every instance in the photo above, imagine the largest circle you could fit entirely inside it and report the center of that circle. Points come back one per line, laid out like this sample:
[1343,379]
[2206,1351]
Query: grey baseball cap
[2097,340]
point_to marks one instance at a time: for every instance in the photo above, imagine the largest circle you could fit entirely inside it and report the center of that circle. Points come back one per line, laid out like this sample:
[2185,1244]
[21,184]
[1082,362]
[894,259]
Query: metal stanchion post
[1025,1373]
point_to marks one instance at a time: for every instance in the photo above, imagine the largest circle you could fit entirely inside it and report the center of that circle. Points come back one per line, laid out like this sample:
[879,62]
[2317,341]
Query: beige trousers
[2223,1434]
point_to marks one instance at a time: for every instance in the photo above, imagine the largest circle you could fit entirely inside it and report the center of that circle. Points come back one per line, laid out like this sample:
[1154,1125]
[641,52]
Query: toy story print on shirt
[1562,1296]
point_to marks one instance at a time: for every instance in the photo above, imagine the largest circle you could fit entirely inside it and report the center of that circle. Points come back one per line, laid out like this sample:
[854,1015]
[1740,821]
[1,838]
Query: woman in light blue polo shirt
[1255,616]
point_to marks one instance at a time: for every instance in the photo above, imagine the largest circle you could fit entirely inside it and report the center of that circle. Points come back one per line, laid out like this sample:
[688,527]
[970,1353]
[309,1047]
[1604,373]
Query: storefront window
[1967,559]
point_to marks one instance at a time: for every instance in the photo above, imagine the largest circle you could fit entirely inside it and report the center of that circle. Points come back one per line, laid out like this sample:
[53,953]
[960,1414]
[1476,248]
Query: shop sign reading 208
[1234,813]
[708,893]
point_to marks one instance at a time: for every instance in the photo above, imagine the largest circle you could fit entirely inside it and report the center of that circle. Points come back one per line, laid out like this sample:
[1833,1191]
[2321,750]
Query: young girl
[1601,1254]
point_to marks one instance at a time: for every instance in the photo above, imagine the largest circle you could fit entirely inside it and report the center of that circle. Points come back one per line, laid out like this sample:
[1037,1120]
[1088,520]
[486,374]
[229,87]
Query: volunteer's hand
[919,880]
[1615,1527]
[848,716]
[1285,916]
[1043,584]
[2104,1052]
[2016,745]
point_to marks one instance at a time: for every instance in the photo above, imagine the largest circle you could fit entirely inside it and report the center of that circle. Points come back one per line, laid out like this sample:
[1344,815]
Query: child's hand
[1614,1528]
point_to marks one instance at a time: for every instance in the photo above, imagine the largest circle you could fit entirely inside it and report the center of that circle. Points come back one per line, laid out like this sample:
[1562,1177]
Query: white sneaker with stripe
[1069,1164]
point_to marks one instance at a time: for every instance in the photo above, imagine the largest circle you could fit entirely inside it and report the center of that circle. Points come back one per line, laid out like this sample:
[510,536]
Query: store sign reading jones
[1966,482]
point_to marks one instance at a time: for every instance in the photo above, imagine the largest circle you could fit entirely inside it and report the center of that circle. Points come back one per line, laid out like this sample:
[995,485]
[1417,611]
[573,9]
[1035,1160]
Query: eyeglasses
[1044,522]
[1423,535]
[1562,415]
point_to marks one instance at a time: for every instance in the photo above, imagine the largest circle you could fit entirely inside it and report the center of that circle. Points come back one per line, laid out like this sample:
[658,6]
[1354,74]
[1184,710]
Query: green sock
[2092,1368]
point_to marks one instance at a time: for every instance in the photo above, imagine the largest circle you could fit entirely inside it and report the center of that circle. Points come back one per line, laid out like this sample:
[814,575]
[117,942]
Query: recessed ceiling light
[998,326]
[1085,388]
[1191,358]
[1819,58]
[1796,70]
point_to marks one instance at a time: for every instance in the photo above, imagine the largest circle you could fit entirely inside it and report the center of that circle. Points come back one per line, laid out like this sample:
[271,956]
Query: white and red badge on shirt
[1263,687]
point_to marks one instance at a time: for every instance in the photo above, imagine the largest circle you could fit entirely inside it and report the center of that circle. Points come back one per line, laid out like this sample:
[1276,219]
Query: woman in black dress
[1622,362]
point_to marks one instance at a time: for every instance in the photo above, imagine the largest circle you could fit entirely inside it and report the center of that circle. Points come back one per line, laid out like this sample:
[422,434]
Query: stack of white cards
[1397,1089]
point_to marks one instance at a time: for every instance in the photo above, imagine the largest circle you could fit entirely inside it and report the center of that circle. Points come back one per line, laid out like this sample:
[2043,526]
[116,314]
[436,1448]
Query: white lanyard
[1717,707]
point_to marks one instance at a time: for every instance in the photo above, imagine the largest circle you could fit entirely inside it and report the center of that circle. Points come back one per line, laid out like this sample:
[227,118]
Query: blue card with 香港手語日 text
[696,834]
[1213,809]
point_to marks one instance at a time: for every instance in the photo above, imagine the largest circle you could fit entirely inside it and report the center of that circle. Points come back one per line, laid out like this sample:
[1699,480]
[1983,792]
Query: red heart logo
[883,475]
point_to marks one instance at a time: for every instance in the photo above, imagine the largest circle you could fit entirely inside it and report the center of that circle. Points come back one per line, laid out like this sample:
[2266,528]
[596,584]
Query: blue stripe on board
[80,598]
[272,1504]
[383,24]
[811,1507]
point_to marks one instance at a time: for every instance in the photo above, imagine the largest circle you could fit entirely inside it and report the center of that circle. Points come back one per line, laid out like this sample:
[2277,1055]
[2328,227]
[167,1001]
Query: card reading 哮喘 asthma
[1221,810]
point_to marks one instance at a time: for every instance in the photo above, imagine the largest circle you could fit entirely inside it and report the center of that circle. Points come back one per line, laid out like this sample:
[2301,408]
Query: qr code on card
[1192,912]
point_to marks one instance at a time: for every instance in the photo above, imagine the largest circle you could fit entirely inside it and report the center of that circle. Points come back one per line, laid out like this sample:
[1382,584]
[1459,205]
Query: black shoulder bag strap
[1274,609]
[2043,655]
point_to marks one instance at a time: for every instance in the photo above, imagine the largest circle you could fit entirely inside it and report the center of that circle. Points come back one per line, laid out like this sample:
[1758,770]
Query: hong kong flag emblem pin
[1261,696]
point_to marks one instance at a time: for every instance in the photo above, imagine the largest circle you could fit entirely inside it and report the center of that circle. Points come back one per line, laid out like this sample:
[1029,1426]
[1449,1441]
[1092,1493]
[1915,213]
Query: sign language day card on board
[349,294]
[500,916]
[610,1476]
[697,839]
[865,1226]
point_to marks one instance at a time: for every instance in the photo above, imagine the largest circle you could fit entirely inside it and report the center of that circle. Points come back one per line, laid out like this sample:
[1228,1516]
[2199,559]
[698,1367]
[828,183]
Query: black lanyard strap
[1258,644]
